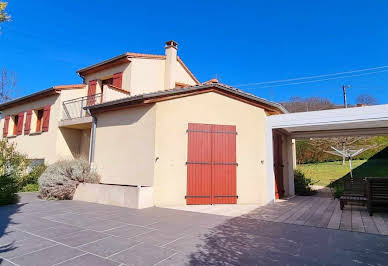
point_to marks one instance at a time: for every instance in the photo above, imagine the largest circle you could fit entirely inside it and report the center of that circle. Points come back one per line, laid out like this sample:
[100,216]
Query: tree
[7,85]
[4,17]
[298,104]
[366,99]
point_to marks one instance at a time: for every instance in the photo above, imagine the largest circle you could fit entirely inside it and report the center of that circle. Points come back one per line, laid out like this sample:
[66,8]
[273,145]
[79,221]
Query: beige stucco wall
[142,75]
[147,75]
[112,94]
[41,145]
[172,118]
[85,143]
[182,76]
[124,147]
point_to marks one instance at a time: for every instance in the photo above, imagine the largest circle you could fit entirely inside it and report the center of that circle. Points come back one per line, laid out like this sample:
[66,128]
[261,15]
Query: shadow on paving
[243,241]
[5,221]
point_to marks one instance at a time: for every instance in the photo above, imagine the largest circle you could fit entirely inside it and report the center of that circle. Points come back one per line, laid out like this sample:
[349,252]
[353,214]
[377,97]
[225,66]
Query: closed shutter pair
[27,127]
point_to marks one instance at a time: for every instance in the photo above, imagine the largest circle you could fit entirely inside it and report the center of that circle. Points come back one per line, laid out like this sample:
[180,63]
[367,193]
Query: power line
[311,77]
[319,80]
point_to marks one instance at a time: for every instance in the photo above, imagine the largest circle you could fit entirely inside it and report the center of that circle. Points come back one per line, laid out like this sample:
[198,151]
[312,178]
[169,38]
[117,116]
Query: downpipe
[92,140]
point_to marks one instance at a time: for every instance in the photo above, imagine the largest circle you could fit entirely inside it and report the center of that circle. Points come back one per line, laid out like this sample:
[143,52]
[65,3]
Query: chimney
[170,65]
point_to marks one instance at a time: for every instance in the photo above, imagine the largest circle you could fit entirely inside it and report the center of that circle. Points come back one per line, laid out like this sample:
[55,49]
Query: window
[15,119]
[106,82]
[39,120]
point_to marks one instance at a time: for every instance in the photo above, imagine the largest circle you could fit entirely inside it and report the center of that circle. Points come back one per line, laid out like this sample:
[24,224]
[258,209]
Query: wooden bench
[354,191]
[377,193]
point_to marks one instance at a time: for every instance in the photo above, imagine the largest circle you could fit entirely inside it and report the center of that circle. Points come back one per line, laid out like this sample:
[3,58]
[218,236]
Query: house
[155,134]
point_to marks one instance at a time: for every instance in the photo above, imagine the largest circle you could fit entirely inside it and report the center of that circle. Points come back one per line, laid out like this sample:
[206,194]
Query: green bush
[12,161]
[302,184]
[31,178]
[30,188]
[8,189]
[337,188]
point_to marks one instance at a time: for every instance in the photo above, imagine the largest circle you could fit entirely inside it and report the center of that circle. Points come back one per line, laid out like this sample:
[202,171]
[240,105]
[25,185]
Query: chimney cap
[172,43]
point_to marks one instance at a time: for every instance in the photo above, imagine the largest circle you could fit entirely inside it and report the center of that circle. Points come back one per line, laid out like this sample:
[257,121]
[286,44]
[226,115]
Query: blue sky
[239,41]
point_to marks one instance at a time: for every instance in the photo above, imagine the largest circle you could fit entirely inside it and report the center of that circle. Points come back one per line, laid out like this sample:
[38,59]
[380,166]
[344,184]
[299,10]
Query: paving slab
[81,238]
[22,247]
[48,256]
[143,254]
[129,231]
[88,259]
[108,246]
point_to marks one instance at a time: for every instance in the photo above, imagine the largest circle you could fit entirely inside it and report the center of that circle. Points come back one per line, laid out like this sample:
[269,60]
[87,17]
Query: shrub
[8,189]
[31,178]
[302,184]
[337,188]
[60,180]
[11,161]
[30,188]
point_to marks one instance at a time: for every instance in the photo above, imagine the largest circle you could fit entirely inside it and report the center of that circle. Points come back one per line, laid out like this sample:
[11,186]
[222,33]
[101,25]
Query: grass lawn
[324,173]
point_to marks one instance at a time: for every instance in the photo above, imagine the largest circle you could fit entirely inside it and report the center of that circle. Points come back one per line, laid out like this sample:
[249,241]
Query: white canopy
[354,121]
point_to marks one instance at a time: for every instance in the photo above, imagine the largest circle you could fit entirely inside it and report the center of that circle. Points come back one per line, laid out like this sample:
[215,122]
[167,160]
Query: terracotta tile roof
[72,86]
[125,58]
[211,81]
[187,91]
[151,56]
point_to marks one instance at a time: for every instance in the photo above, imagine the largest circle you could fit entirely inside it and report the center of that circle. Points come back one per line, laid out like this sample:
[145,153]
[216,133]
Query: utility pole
[346,106]
[344,91]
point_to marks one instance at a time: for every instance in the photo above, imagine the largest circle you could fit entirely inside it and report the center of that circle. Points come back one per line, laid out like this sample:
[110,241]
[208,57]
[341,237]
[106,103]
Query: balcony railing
[74,108]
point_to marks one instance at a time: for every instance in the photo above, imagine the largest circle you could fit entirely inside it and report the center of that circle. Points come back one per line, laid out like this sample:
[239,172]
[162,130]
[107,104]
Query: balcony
[74,108]
[74,115]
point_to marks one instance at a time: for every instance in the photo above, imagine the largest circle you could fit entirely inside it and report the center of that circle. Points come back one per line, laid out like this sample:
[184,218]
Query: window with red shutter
[27,126]
[46,118]
[39,118]
[91,92]
[6,124]
[20,123]
[118,80]
[15,125]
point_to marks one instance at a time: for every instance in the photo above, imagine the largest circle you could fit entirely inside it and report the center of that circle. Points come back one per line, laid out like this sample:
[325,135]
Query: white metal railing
[74,108]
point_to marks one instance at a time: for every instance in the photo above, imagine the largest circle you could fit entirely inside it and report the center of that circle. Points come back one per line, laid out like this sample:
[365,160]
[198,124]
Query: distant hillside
[313,151]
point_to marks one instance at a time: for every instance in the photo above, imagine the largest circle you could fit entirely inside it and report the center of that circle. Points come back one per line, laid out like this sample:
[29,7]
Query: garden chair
[354,191]
[377,193]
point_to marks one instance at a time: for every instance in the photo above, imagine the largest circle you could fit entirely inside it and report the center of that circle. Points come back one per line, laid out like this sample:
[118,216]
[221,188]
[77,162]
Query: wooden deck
[322,212]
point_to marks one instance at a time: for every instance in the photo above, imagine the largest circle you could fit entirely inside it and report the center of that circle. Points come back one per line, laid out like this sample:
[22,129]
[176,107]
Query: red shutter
[91,92]
[46,118]
[6,124]
[199,164]
[118,80]
[27,126]
[211,166]
[20,123]
[224,164]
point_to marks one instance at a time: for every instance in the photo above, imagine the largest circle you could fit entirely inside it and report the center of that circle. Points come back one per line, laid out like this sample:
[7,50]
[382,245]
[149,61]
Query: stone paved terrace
[310,211]
[37,232]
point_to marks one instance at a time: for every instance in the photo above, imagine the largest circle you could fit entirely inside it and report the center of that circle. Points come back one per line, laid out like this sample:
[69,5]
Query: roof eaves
[178,91]
[102,63]
[11,103]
